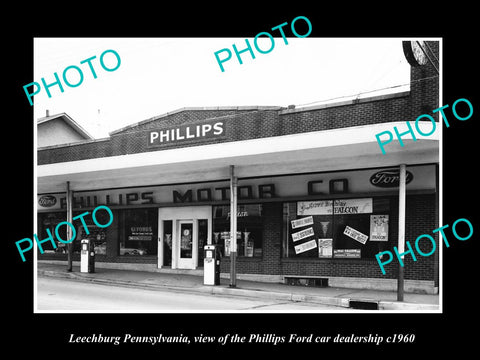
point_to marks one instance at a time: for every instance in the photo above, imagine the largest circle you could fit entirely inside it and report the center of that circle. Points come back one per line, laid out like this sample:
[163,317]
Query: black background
[49,333]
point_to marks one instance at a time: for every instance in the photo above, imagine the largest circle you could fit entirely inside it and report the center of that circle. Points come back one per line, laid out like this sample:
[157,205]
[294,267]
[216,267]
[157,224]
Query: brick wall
[269,263]
[424,86]
[421,218]
[241,125]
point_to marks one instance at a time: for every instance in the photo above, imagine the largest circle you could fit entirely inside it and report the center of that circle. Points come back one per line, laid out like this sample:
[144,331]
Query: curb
[393,305]
[127,283]
[206,289]
[272,295]
[268,295]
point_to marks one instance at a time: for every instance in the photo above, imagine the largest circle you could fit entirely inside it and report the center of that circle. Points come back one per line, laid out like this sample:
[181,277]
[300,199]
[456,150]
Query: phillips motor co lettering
[206,194]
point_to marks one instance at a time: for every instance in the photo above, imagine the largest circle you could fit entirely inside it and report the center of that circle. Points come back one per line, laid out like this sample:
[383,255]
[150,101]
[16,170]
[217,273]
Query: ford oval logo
[47,200]
[389,178]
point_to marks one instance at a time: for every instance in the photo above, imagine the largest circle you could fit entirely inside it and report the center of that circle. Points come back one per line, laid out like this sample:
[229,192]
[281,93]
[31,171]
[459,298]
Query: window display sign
[227,246]
[309,245]
[302,234]
[325,248]
[355,235]
[325,227]
[378,227]
[347,253]
[353,206]
[344,206]
[320,207]
[186,238]
[249,249]
[302,222]
[225,236]
[140,233]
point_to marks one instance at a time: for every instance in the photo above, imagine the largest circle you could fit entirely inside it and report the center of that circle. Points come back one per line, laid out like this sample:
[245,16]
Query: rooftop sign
[205,130]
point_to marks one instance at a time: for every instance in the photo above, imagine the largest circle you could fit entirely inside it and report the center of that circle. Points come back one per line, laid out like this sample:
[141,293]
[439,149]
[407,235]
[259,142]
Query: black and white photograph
[275,187]
[150,204]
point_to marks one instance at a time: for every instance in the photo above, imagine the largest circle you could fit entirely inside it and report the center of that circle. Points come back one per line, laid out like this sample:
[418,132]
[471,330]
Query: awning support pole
[233,227]
[401,228]
[69,230]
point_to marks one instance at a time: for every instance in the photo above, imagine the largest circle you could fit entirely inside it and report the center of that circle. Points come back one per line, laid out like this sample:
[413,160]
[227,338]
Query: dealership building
[317,199]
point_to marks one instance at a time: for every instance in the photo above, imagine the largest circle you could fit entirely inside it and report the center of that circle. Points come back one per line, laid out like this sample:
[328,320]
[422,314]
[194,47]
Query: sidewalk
[341,297]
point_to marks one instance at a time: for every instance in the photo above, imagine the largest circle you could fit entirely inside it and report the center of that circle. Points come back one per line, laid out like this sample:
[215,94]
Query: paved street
[67,295]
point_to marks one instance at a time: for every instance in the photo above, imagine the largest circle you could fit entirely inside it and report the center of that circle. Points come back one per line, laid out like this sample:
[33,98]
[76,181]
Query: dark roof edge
[82,142]
[242,108]
[69,121]
[346,102]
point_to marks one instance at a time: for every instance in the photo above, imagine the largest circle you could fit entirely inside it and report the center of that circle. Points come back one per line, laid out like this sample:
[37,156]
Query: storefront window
[202,238]
[167,242]
[249,230]
[140,232]
[342,228]
[50,221]
[97,234]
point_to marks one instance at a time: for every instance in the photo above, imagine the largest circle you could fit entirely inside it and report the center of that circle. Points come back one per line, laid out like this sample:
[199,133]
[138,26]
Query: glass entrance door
[183,232]
[186,240]
[187,244]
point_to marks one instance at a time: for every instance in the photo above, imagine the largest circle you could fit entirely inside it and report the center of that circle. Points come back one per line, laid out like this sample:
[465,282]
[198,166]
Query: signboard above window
[315,185]
[337,207]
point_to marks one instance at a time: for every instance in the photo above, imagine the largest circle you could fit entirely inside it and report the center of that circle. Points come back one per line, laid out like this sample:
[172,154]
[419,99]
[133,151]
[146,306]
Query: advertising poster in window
[140,233]
[302,234]
[355,235]
[302,222]
[378,227]
[353,206]
[347,253]
[309,245]
[325,248]
[320,207]
[186,238]
[340,206]
[225,236]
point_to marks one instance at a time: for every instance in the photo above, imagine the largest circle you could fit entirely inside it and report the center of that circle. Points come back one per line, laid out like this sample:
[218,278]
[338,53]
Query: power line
[370,91]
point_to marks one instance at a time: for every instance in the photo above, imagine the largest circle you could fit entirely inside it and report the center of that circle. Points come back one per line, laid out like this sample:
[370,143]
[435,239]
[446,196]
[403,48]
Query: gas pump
[87,256]
[211,265]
